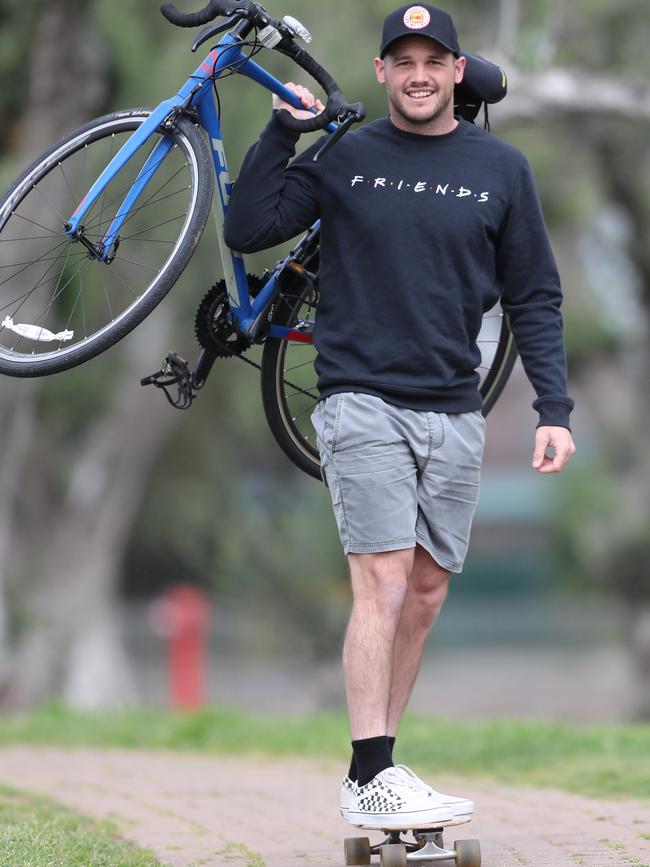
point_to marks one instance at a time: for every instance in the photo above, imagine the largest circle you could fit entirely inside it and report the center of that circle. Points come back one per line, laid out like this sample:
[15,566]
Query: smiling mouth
[419,95]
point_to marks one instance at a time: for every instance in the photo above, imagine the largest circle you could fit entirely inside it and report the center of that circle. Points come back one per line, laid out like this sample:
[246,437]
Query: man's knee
[428,585]
[381,576]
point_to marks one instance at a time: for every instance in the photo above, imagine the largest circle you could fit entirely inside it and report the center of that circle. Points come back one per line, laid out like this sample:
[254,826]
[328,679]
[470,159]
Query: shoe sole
[459,819]
[398,821]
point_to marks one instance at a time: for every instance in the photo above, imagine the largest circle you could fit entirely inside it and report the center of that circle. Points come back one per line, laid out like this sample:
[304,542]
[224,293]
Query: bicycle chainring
[211,326]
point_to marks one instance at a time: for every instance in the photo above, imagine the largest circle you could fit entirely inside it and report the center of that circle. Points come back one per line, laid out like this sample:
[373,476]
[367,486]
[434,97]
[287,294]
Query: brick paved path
[259,812]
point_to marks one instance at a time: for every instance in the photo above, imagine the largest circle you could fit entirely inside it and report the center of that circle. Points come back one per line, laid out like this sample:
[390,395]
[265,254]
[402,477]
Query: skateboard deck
[427,847]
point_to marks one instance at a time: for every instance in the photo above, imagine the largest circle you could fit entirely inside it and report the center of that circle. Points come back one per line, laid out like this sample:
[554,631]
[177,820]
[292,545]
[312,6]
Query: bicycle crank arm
[202,369]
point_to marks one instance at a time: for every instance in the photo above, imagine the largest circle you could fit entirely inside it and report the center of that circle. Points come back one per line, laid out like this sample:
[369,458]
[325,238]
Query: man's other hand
[557,438]
[307,98]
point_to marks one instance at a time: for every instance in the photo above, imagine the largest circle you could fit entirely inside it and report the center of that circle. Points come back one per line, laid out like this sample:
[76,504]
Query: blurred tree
[69,640]
[602,525]
[222,506]
[607,536]
[53,103]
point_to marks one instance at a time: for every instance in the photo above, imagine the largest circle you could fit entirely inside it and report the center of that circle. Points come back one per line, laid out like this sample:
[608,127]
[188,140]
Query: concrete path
[196,810]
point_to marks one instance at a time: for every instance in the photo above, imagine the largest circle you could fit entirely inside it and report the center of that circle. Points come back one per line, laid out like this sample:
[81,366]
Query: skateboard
[427,848]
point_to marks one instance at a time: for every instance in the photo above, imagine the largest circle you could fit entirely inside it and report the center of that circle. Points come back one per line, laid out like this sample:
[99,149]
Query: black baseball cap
[419,20]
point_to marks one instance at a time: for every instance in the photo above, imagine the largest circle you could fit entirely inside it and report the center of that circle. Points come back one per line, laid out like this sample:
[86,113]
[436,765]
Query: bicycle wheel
[498,356]
[59,304]
[289,392]
[288,378]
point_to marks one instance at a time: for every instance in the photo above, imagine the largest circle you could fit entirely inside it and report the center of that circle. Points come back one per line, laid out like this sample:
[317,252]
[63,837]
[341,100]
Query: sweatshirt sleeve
[532,297]
[271,201]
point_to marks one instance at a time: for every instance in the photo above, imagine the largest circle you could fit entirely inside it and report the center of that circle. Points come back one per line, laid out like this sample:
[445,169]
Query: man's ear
[380,70]
[459,64]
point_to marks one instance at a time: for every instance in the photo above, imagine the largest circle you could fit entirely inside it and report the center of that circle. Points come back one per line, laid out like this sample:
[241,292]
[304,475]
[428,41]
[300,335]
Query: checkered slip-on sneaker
[463,809]
[348,790]
[393,801]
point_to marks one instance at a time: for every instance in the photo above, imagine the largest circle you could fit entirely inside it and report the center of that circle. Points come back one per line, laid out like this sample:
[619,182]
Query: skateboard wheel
[468,853]
[357,850]
[393,855]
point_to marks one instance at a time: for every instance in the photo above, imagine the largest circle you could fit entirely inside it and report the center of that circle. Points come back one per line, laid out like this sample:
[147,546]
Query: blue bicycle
[97,230]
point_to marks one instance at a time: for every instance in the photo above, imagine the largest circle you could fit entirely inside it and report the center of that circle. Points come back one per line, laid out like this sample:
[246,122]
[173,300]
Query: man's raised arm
[272,201]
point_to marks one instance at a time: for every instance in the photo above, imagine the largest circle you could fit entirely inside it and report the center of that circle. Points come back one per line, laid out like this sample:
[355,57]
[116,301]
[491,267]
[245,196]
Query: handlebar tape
[205,15]
[336,100]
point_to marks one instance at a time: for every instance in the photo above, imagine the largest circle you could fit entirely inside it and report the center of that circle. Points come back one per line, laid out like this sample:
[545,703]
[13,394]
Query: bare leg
[425,596]
[379,586]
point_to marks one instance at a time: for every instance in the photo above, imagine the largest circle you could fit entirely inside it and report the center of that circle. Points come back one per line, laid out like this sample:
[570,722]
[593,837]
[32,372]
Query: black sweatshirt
[420,235]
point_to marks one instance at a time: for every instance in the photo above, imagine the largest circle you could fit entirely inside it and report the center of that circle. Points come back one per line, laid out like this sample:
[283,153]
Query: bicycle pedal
[177,372]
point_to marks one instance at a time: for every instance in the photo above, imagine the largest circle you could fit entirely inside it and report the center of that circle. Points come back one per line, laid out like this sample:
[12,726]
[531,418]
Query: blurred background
[109,497]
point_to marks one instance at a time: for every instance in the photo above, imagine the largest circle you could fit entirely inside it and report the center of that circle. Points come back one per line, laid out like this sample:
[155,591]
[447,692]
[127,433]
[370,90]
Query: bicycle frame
[197,94]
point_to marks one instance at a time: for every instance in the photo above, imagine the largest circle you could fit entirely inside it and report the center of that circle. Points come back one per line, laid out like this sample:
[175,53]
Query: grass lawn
[603,761]
[37,832]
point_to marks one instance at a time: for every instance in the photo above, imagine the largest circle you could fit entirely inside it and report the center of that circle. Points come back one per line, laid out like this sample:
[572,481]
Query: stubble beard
[422,120]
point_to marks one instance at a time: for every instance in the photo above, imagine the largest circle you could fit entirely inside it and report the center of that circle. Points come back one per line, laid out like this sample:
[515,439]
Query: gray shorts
[399,476]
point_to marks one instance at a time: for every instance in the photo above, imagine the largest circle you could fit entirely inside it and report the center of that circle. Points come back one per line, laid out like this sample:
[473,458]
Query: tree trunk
[73,646]
[16,425]
[639,638]
[68,74]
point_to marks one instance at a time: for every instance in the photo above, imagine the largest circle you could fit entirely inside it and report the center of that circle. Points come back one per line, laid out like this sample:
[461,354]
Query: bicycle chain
[288,381]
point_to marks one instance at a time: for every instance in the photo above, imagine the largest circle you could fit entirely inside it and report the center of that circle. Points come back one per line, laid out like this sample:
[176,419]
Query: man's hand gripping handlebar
[280,36]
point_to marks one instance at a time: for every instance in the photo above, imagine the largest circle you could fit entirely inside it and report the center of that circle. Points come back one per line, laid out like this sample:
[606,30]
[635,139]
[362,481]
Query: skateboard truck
[428,848]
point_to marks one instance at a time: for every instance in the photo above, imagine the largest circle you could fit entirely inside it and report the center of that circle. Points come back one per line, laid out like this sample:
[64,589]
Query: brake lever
[210,31]
[342,128]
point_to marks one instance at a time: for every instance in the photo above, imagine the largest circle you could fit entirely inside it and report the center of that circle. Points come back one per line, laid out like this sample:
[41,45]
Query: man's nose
[420,74]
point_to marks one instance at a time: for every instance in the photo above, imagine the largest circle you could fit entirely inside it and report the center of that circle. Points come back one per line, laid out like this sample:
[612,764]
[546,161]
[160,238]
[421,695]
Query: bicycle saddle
[483,82]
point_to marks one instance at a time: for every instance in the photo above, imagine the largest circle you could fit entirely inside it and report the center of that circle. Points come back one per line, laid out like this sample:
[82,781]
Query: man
[426,221]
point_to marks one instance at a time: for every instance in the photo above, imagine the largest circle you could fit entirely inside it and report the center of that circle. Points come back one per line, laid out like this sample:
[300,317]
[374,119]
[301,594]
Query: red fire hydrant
[182,617]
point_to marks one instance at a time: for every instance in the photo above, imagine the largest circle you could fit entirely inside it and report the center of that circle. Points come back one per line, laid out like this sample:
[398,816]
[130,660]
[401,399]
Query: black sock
[353,773]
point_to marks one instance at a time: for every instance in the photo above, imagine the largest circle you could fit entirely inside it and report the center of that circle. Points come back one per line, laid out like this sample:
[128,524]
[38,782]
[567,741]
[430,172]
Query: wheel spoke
[285,400]
[48,281]
[297,366]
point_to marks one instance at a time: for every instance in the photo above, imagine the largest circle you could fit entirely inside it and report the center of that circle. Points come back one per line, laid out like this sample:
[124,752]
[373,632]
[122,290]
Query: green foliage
[247,524]
[603,35]
[589,334]
[598,540]
[17,22]
[37,832]
[585,508]
[72,400]
[224,508]
[595,760]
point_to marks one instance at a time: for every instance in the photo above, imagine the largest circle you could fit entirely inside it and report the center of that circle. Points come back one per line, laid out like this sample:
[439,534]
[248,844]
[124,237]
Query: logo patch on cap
[417,17]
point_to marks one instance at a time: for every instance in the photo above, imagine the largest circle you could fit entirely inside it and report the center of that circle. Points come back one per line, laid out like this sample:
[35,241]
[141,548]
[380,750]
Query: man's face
[420,76]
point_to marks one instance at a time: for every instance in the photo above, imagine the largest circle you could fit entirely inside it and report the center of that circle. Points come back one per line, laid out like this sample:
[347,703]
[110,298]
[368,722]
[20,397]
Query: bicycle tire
[298,439]
[293,439]
[501,367]
[95,295]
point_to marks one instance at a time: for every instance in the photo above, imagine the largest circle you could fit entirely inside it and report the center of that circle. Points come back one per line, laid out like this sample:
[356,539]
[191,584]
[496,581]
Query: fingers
[557,438]
[306,97]
[541,444]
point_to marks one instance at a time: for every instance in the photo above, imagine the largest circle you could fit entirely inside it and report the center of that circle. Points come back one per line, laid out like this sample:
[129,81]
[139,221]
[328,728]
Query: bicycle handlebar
[203,16]
[337,108]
